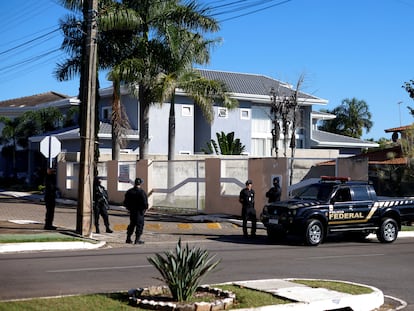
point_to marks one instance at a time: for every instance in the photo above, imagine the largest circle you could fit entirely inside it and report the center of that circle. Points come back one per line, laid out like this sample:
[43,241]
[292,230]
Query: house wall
[158,129]
[217,177]
[355,168]
[202,131]
[233,123]
[184,125]
[131,110]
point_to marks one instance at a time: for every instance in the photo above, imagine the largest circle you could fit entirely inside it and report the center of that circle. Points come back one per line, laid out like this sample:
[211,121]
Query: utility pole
[87,126]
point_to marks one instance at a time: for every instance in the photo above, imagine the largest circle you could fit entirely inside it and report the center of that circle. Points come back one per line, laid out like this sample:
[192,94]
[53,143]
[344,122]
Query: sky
[359,49]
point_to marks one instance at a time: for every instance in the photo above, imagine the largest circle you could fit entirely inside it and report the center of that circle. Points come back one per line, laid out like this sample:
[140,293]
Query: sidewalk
[162,229]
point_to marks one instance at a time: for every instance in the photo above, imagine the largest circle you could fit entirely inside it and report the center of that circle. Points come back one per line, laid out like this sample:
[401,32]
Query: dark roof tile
[244,83]
[33,100]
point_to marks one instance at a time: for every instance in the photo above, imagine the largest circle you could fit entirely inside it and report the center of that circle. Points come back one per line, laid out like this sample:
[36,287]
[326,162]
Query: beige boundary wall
[259,170]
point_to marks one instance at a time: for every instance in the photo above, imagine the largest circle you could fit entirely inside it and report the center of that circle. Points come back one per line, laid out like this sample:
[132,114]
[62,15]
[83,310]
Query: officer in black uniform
[274,193]
[136,202]
[101,205]
[246,198]
[50,198]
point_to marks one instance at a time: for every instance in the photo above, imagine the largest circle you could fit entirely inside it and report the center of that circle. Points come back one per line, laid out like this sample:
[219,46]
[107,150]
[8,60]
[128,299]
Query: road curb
[48,246]
[337,301]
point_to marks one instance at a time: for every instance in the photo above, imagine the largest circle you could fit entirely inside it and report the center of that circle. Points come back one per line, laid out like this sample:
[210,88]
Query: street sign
[50,147]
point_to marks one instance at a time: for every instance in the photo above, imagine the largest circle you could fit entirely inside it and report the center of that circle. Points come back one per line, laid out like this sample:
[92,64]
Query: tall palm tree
[112,48]
[119,121]
[153,21]
[352,116]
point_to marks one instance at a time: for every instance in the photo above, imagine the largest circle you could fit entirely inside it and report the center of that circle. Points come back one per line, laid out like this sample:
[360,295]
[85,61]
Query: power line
[233,9]
[255,11]
[28,42]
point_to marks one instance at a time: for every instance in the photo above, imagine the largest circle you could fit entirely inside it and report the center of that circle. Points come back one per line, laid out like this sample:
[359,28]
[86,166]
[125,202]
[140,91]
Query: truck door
[349,207]
[363,204]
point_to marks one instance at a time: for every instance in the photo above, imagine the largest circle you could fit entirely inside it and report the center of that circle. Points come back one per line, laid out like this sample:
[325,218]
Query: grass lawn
[245,298]
[40,237]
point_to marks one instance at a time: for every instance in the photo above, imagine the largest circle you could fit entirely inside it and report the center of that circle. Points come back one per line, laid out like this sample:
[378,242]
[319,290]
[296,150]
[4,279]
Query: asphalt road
[388,267]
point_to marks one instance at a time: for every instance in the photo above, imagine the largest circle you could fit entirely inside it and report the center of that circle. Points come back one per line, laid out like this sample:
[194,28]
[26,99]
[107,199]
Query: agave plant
[183,269]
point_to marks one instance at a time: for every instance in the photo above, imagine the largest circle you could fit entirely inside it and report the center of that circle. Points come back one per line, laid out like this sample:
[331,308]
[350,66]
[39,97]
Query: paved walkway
[25,217]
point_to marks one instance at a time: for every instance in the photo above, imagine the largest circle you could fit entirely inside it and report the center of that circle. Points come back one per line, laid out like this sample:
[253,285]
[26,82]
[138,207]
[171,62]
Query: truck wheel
[388,231]
[314,232]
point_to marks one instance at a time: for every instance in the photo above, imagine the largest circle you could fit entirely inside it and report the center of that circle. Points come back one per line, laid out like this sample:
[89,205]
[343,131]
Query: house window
[106,114]
[186,111]
[245,114]
[222,112]
[261,147]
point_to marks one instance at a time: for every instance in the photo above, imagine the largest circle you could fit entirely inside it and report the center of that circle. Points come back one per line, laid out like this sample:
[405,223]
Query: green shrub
[183,269]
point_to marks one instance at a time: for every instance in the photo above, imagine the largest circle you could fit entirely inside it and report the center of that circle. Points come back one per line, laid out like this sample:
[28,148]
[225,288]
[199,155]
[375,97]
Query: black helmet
[249,182]
[139,181]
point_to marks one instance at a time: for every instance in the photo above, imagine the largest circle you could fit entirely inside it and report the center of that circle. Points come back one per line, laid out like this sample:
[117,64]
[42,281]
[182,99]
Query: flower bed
[159,298]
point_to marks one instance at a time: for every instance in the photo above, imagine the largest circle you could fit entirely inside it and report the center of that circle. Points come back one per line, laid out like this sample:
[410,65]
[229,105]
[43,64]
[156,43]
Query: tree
[16,132]
[409,87]
[284,109]
[226,145]
[185,48]
[9,137]
[113,46]
[352,116]
[119,121]
[152,22]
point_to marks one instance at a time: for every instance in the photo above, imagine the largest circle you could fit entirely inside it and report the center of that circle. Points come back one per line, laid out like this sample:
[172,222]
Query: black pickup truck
[336,204]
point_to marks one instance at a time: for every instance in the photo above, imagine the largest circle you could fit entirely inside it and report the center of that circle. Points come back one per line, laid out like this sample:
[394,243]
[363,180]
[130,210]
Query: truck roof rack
[342,179]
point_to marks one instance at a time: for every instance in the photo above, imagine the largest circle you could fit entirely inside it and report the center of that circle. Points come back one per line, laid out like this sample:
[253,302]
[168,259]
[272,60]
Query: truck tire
[314,232]
[388,231]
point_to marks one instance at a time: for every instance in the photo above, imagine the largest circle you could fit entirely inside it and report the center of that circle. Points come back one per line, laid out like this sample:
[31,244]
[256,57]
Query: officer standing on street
[50,198]
[136,202]
[274,193]
[101,205]
[246,198]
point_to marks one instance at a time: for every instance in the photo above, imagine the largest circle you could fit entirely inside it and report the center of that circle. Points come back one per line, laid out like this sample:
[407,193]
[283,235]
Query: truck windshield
[320,191]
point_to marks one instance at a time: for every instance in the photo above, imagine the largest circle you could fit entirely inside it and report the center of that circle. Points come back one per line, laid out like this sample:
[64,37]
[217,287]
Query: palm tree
[16,132]
[113,45]
[9,136]
[352,116]
[153,22]
[119,121]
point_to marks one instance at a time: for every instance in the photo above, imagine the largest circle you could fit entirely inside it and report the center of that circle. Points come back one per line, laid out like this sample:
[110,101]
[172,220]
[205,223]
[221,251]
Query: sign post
[50,147]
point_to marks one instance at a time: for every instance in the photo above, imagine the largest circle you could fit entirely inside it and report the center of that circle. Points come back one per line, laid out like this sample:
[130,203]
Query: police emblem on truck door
[343,209]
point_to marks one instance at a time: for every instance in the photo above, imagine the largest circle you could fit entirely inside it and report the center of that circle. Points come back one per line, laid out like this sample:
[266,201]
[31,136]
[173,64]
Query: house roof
[325,139]
[388,156]
[254,84]
[33,100]
[105,131]
[399,129]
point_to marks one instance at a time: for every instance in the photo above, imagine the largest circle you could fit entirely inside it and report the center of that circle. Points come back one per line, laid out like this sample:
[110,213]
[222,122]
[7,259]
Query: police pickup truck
[336,204]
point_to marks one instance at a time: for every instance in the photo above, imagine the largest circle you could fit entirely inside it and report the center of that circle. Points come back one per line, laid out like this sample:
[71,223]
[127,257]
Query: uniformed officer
[246,198]
[101,205]
[274,193]
[136,201]
[50,198]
